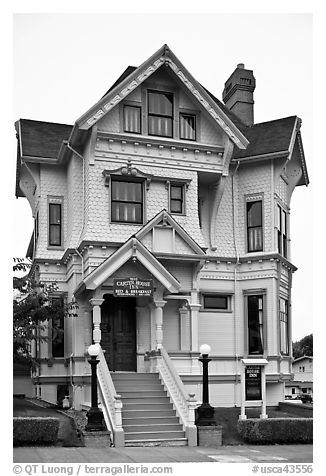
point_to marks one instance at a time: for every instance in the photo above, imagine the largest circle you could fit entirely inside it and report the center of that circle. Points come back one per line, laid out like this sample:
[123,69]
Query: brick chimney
[238,94]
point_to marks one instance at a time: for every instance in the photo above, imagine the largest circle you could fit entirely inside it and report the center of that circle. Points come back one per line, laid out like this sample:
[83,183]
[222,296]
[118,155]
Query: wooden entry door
[118,333]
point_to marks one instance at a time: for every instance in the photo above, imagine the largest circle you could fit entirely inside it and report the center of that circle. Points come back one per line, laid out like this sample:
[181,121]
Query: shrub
[35,430]
[276,430]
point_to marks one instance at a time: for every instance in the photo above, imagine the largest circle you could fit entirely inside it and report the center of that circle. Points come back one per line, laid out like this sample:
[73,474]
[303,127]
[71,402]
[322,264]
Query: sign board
[132,287]
[253,382]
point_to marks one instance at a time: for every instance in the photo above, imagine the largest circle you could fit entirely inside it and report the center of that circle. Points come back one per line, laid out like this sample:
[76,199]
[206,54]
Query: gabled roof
[163,56]
[129,250]
[41,139]
[165,217]
[278,137]
[302,358]
[268,137]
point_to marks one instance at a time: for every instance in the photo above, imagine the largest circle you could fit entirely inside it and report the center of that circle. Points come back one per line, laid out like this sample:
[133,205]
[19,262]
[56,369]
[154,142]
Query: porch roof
[129,250]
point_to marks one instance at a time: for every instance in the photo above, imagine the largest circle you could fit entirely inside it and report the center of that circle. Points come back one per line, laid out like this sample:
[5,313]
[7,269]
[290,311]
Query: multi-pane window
[216,301]
[126,201]
[254,226]
[55,224]
[177,199]
[284,326]
[255,324]
[160,114]
[131,119]
[188,126]
[281,232]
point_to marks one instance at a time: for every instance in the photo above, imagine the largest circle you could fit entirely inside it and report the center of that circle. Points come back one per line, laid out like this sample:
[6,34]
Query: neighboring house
[162,183]
[302,382]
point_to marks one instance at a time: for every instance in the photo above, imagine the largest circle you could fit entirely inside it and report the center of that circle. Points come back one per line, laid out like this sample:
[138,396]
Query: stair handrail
[184,404]
[111,401]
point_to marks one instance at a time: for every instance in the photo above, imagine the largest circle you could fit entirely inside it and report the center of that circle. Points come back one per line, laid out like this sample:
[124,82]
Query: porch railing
[184,404]
[111,402]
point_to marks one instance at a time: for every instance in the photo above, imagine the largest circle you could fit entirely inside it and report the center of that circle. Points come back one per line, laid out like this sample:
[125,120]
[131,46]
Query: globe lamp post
[205,413]
[94,414]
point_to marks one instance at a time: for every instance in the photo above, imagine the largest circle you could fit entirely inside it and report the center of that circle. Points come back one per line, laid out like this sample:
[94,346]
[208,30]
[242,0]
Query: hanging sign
[253,382]
[132,287]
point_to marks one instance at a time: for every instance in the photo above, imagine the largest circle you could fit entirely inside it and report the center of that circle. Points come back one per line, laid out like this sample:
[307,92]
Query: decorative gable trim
[132,249]
[163,56]
[168,221]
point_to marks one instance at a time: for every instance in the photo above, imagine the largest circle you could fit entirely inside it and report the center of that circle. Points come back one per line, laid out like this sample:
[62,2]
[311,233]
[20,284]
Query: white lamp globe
[205,349]
[93,350]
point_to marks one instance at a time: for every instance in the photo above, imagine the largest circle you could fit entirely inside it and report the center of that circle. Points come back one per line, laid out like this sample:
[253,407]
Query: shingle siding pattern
[54,184]
[224,226]
[282,190]
[254,180]
[98,204]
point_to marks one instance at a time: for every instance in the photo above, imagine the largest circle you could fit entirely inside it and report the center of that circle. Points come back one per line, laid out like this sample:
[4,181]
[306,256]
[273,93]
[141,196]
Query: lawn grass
[228,418]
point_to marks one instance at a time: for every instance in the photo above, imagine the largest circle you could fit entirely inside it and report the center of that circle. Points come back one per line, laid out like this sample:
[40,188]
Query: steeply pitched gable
[131,81]
[163,234]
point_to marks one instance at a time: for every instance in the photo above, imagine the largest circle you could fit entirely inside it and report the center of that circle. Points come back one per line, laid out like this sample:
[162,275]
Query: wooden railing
[184,404]
[110,402]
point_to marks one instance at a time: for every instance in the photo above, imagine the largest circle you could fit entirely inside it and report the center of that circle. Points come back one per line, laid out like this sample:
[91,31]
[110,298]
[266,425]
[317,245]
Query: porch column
[96,303]
[159,323]
[184,328]
[194,308]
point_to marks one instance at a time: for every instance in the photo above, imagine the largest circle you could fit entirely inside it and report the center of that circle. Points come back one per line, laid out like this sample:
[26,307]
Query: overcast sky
[63,63]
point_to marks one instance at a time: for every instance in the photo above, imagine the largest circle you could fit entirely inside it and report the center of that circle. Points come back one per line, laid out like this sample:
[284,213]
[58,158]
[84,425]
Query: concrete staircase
[148,417]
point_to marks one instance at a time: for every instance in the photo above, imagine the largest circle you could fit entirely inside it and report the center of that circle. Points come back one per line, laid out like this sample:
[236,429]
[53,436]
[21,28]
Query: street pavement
[222,454]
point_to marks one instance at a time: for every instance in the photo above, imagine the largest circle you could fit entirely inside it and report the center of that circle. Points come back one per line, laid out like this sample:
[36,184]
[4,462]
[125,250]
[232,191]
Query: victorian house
[164,214]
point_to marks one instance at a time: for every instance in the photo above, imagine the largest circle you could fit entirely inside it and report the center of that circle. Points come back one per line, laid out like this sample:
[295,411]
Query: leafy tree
[33,307]
[303,347]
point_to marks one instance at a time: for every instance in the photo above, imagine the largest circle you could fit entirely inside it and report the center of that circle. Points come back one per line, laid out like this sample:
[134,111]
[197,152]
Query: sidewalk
[222,454]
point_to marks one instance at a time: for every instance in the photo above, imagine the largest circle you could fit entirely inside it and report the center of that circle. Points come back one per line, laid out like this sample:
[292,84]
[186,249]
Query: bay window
[284,326]
[254,226]
[281,231]
[255,324]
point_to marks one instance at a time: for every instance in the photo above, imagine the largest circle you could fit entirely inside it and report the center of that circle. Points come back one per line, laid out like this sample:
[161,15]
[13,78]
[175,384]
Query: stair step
[134,376]
[147,406]
[158,442]
[128,386]
[146,394]
[144,413]
[172,420]
[145,399]
[159,427]
[156,435]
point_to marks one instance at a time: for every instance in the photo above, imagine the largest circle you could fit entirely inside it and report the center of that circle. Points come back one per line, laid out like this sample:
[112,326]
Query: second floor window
[126,201]
[160,114]
[281,232]
[177,199]
[55,224]
[255,325]
[254,226]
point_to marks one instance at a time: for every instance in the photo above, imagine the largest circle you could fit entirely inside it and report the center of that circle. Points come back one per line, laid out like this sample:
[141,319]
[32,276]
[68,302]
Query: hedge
[276,430]
[35,430]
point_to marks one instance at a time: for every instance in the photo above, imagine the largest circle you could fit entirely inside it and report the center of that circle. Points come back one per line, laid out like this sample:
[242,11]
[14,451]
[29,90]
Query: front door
[118,333]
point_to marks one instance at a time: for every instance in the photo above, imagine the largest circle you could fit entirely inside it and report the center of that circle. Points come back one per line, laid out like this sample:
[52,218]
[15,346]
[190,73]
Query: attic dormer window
[131,119]
[160,114]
